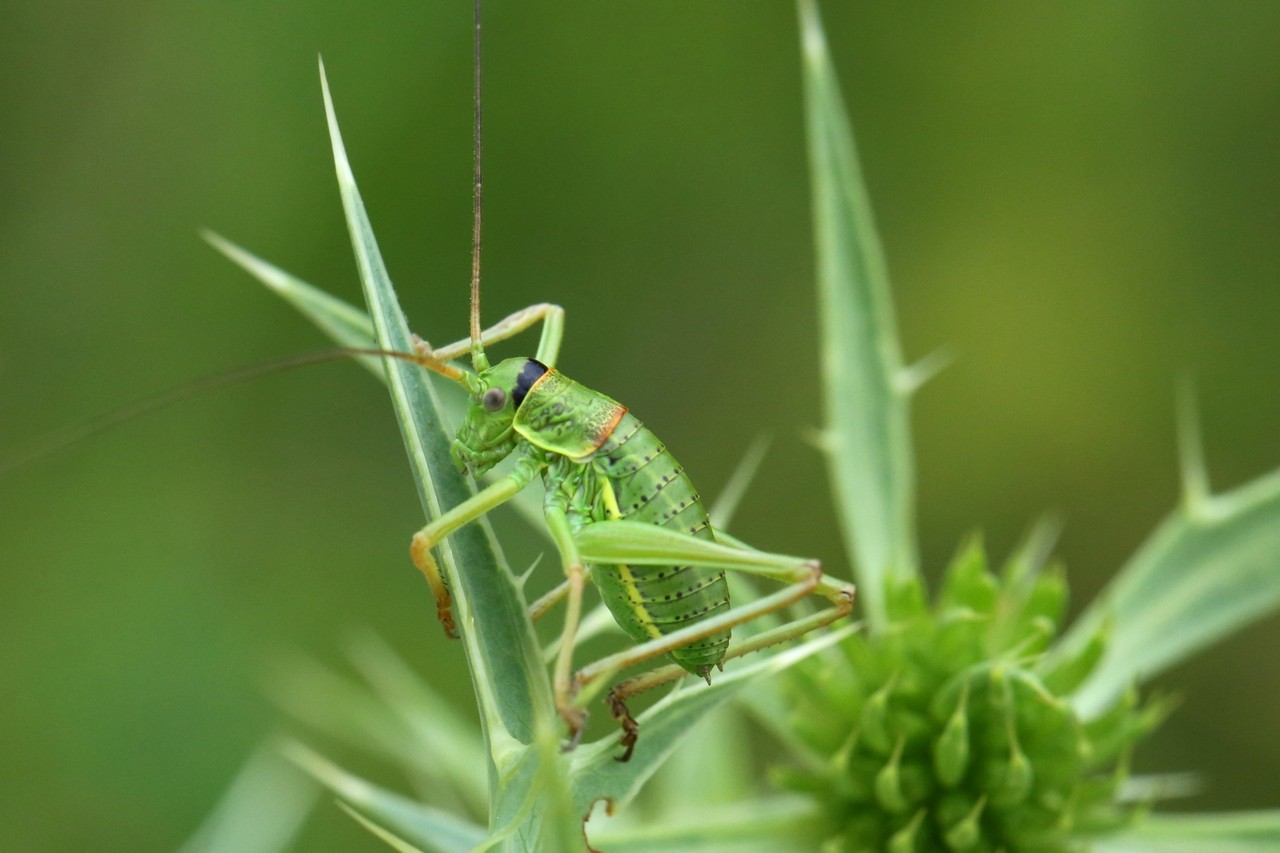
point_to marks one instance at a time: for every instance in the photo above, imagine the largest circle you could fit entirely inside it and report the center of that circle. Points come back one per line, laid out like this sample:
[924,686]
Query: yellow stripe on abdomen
[617,582]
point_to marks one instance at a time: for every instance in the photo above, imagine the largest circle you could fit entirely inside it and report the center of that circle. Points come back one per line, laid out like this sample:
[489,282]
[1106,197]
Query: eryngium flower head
[951,729]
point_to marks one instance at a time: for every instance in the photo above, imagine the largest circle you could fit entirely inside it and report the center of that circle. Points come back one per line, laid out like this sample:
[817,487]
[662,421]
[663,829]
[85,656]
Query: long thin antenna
[75,433]
[478,359]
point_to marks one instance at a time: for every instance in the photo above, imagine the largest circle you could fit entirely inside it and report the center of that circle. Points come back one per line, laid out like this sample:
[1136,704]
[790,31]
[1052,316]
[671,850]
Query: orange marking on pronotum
[607,430]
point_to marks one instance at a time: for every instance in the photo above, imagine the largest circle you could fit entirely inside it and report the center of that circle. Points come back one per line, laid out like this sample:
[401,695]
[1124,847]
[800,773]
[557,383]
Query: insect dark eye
[494,399]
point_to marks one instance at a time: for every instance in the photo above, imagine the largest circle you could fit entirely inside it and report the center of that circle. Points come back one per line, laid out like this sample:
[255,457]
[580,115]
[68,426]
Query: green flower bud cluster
[951,728]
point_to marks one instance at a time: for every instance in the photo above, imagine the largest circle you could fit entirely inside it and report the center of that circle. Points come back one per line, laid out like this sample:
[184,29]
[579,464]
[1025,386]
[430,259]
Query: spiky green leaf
[501,648]
[392,840]
[867,434]
[510,681]
[346,324]
[1211,568]
[443,744]
[423,826]
[262,810]
[350,713]
[1224,832]
[774,825]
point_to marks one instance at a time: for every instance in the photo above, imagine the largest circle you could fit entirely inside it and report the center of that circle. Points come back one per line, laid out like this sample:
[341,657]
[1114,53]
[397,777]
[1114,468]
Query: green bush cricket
[613,491]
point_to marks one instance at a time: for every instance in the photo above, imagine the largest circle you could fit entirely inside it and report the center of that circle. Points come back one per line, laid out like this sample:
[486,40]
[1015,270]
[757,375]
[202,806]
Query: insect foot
[420,552]
[444,612]
[630,728]
[421,347]
[840,593]
[845,596]
[576,719]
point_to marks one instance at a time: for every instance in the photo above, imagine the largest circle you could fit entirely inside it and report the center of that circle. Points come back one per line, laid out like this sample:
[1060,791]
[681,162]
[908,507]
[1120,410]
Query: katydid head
[486,436]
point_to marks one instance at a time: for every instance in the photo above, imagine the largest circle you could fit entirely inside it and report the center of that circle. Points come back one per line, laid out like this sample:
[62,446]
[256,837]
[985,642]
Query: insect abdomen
[649,485]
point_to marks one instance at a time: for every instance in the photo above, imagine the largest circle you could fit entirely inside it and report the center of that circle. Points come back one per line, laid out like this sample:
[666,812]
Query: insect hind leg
[621,541]
[621,692]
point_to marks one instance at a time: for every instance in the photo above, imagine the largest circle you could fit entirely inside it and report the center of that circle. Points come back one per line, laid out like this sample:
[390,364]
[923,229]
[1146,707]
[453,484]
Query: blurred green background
[1081,202]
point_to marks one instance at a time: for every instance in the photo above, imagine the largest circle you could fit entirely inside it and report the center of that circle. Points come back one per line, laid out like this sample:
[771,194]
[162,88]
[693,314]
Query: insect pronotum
[602,469]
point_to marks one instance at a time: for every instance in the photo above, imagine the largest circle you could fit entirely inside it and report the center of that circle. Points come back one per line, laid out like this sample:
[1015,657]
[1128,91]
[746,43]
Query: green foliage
[963,725]
[263,809]
[867,437]
[946,734]
[1238,832]
[432,829]
[506,663]
[1209,569]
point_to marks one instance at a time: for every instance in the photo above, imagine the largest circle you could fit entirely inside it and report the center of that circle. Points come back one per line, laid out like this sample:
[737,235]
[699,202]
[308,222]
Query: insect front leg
[551,316]
[469,510]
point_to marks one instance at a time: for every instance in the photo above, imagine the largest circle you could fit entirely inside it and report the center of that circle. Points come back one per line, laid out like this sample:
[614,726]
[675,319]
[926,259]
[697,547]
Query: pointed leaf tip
[814,42]
[951,749]
[1195,476]
[888,784]
[345,324]
[913,377]
[966,833]
[213,238]
[904,840]
[345,176]
[723,507]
